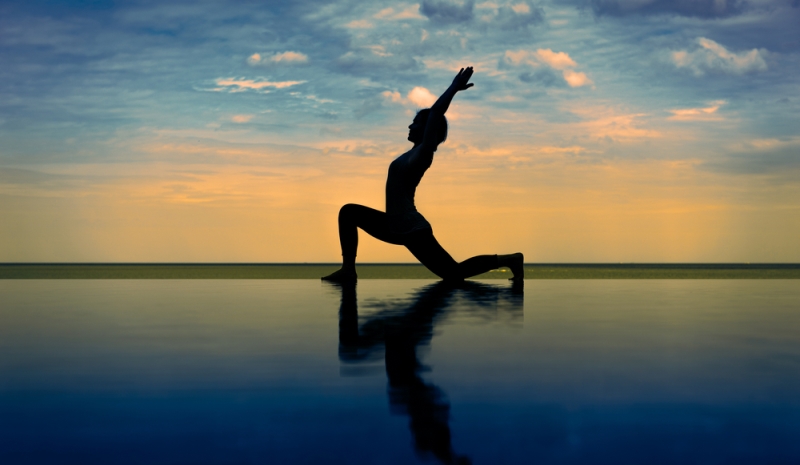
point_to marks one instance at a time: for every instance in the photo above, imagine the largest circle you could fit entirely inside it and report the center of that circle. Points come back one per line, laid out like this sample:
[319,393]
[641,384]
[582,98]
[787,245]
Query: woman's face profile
[416,130]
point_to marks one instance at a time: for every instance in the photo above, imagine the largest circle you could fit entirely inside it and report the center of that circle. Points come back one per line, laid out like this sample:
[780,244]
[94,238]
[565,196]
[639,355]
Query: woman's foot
[516,262]
[341,276]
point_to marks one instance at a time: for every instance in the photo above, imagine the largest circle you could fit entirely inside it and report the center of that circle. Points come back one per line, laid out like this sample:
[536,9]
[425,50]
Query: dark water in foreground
[399,371]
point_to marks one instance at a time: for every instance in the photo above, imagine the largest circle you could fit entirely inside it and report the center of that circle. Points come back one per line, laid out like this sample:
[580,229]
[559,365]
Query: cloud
[241,118]
[320,100]
[410,12]
[241,85]
[378,50]
[760,156]
[359,24]
[375,60]
[620,127]
[692,8]
[419,97]
[559,61]
[708,113]
[357,147]
[712,57]
[575,79]
[521,8]
[543,77]
[392,96]
[510,16]
[448,11]
[283,58]
[603,123]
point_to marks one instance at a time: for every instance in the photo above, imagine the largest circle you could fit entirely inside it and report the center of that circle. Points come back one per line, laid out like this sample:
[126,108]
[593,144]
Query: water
[399,371]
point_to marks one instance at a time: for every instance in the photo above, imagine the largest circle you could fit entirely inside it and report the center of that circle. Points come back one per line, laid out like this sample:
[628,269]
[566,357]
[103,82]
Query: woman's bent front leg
[352,217]
[373,222]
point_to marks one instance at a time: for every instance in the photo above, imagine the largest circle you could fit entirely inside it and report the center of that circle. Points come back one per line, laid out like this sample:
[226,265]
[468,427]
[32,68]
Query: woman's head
[416,131]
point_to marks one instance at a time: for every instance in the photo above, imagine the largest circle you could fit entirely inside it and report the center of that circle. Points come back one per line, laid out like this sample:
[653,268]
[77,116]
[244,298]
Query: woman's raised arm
[431,139]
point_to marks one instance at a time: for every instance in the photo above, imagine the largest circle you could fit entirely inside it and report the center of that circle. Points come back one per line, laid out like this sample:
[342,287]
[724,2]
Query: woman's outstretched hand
[461,81]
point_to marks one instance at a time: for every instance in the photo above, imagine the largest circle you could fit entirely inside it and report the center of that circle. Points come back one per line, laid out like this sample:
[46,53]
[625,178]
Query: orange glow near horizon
[548,202]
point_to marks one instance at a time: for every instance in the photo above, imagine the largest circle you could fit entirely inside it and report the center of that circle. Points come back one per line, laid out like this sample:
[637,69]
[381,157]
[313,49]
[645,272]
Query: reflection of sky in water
[267,372]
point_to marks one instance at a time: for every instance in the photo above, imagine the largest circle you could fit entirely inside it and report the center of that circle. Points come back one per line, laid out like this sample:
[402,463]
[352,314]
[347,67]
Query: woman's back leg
[430,253]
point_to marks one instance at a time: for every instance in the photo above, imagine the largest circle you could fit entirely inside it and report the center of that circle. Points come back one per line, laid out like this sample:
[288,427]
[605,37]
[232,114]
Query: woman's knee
[452,274]
[348,212]
[428,251]
[447,272]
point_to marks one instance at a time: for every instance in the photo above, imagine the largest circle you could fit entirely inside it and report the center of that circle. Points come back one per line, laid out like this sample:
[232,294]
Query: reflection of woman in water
[401,327]
[402,224]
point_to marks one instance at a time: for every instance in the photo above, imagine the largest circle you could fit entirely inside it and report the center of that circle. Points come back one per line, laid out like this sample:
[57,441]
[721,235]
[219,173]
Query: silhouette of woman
[402,224]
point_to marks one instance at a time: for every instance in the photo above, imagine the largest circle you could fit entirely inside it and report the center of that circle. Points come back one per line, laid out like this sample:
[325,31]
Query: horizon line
[392,263]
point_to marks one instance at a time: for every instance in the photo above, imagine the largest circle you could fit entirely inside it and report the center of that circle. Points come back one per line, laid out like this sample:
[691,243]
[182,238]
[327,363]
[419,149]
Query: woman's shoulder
[410,153]
[403,158]
[415,154]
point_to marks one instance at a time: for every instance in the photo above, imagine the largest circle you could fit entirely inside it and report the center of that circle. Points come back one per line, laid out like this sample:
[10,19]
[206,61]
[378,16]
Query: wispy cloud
[608,124]
[359,24]
[241,118]
[560,61]
[241,85]
[284,58]
[400,13]
[375,60]
[712,57]
[774,157]
[513,15]
[708,113]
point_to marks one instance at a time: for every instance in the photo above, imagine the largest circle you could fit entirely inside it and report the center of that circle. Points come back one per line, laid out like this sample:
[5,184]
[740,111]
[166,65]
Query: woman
[402,224]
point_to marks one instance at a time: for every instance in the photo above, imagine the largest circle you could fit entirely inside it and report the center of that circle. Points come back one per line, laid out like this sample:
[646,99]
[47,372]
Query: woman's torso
[401,186]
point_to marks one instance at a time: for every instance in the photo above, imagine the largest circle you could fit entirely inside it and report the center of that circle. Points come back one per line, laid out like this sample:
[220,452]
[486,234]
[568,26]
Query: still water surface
[399,371]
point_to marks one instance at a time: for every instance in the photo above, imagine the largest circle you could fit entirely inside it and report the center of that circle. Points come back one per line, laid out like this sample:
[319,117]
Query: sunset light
[596,131]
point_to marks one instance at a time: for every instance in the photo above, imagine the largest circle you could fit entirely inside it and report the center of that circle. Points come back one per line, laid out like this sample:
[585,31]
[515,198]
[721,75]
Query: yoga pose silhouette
[402,224]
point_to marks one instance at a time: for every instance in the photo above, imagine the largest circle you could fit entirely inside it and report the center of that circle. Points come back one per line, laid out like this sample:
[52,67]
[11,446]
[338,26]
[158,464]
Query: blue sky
[607,130]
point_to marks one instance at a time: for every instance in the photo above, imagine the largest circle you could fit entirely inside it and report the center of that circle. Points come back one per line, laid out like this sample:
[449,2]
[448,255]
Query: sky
[596,131]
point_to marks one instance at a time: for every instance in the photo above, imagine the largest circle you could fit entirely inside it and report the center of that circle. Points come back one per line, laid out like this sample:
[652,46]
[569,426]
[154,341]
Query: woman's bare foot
[516,262]
[341,276]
